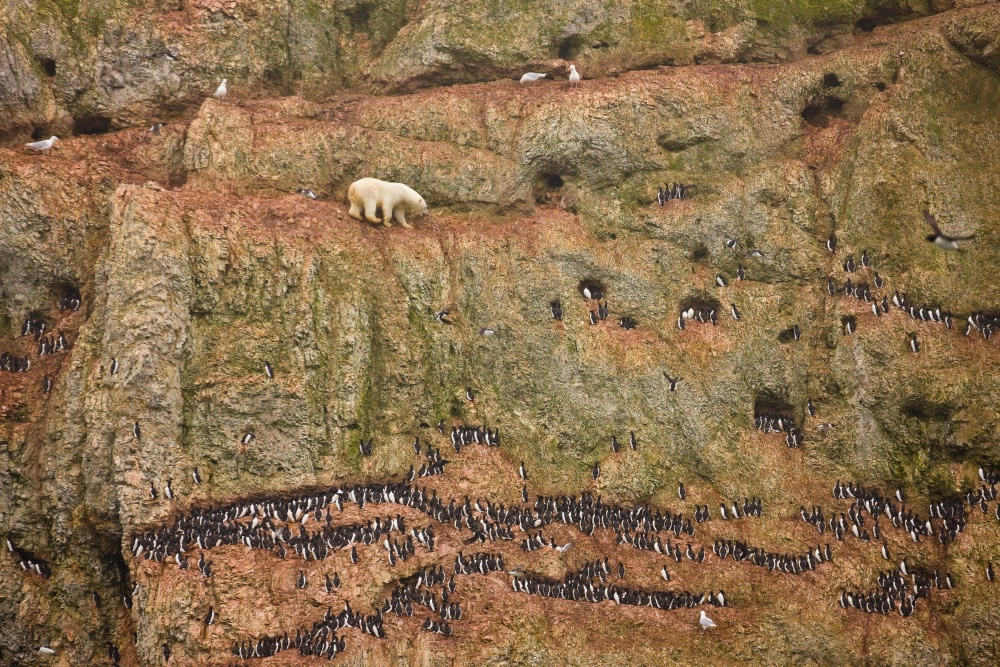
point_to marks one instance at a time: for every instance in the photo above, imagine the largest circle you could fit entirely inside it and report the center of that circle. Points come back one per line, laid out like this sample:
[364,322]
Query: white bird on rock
[531,77]
[574,76]
[705,622]
[42,146]
[221,91]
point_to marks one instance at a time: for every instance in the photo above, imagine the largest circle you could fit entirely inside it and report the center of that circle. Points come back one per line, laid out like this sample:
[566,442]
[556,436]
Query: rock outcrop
[196,263]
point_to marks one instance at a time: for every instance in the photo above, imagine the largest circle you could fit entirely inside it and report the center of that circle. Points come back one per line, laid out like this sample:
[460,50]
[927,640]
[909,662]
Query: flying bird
[937,238]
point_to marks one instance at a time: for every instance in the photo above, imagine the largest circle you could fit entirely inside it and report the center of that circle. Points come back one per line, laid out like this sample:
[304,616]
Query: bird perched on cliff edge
[221,92]
[574,76]
[705,622]
[42,146]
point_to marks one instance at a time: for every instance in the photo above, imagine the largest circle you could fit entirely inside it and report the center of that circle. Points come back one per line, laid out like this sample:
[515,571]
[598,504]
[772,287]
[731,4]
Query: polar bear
[393,198]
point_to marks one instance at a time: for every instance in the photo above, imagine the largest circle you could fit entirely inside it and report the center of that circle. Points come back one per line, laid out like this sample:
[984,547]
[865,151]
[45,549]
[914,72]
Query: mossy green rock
[197,264]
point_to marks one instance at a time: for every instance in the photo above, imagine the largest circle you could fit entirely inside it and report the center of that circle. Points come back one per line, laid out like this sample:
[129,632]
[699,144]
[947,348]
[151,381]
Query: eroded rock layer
[170,271]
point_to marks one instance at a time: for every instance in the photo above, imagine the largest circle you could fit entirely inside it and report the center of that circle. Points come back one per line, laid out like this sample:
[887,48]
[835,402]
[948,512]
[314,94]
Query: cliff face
[195,263]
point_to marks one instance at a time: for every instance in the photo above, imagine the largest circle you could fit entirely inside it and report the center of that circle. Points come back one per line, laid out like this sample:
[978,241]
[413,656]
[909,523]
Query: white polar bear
[393,198]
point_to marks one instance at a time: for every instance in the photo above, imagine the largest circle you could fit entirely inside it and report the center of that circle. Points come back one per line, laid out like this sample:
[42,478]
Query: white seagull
[705,622]
[220,92]
[574,76]
[531,77]
[42,146]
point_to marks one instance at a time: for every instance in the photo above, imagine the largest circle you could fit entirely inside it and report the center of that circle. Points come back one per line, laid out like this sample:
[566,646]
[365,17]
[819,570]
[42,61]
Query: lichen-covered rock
[197,265]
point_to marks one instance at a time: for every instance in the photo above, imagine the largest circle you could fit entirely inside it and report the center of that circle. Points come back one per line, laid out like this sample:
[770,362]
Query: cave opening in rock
[699,303]
[819,110]
[570,47]
[40,133]
[866,23]
[67,292]
[830,80]
[594,288]
[48,66]
[95,124]
[769,404]
[700,253]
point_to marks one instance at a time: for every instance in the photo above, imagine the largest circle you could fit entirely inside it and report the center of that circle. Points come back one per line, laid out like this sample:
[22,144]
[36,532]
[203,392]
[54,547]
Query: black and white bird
[810,408]
[522,472]
[941,240]
[136,431]
[556,308]
[796,332]
[268,369]
[592,292]
[307,193]
[195,477]
[469,395]
[247,437]
[735,311]
[672,382]
[155,129]
[681,491]
[719,280]
[596,472]
[114,366]
[914,345]
[168,492]
[210,617]
[831,243]
[633,442]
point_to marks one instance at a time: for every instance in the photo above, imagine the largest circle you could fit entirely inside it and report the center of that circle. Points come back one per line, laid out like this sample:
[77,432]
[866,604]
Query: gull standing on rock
[531,77]
[705,622]
[42,146]
[574,76]
[221,91]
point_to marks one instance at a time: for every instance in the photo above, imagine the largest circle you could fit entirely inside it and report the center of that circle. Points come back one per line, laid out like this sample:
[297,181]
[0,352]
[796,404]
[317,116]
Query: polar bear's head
[421,206]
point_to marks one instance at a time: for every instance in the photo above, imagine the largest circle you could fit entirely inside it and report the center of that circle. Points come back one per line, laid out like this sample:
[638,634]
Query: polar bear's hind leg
[355,211]
[387,211]
[370,205]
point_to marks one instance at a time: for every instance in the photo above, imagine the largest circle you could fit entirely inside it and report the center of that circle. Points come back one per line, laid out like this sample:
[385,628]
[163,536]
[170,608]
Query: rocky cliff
[169,268]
